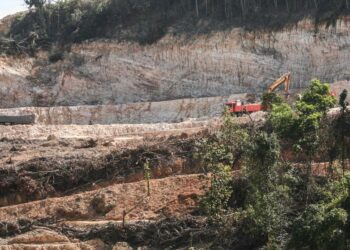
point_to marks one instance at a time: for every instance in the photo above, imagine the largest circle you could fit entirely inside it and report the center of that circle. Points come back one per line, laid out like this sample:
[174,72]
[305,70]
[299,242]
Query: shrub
[269,99]
[215,202]
[282,120]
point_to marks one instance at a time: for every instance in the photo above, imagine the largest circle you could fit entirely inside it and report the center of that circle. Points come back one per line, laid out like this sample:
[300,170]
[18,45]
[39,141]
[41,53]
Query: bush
[215,202]
[318,228]
[317,98]
[269,99]
[282,120]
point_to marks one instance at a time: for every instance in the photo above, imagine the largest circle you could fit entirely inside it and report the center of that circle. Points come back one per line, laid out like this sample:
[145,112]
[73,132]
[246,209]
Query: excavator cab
[233,105]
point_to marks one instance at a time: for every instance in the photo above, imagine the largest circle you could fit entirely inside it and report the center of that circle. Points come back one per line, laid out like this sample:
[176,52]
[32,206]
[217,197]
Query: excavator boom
[283,79]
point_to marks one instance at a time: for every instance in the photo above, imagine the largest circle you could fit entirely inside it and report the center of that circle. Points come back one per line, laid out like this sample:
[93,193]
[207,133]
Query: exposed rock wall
[220,63]
[143,112]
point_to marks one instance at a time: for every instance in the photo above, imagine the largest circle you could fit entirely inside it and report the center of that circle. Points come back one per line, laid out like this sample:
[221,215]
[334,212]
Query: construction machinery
[283,79]
[238,107]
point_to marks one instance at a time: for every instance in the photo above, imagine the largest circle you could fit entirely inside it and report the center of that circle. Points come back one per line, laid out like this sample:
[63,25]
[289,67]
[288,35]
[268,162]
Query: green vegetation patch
[146,21]
[272,202]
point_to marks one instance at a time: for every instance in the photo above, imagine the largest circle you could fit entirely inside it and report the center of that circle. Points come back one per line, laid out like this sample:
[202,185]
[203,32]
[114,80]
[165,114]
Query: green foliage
[224,147]
[216,199]
[318,228]
[268,216]
[305,122]
[262,154]
[311,109]
[35,3]
[146,21]
[275,205]
[324,225]
[316,99]
[218,155]
[270,99]
[282,120]
[267,201]
[341,130]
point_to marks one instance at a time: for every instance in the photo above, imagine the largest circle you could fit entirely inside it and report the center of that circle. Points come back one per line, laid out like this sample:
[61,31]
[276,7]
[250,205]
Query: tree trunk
[197,8]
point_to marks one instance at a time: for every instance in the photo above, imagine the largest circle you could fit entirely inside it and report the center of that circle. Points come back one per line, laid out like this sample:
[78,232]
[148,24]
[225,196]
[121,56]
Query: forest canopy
[146,21]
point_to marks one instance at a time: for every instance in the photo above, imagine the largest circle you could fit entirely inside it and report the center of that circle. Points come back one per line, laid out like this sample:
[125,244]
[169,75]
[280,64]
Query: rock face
[142,112]
[217,64]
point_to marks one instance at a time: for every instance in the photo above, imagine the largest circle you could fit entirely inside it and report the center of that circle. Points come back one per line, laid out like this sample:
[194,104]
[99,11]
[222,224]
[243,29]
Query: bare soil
[89,193]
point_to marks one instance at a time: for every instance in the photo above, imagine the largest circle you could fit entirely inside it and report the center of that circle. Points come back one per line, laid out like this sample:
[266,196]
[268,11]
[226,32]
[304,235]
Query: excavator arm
[283,79]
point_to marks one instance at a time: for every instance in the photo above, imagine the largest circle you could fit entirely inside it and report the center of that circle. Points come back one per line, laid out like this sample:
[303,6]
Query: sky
[8,7]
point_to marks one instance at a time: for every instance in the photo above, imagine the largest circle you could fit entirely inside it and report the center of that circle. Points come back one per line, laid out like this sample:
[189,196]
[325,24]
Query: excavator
[238,108]
[283,79]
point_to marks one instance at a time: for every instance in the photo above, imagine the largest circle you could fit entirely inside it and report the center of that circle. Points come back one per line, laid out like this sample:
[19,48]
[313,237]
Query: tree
[147,176]
[219,154]
[216,199]
[224,147]
[262,154]
[268,197]
[310,110]
[197,8]
[342,126]
[320,228]
[282,119]
[317,98]
[264,207]
[324,225]
[36,3]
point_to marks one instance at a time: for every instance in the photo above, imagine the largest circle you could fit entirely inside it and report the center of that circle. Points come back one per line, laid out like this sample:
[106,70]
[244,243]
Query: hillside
[129,95]
[191,58]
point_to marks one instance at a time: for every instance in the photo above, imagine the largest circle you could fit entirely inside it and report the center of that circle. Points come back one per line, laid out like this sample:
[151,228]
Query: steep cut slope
[222,63]
[143,61]
[219,63]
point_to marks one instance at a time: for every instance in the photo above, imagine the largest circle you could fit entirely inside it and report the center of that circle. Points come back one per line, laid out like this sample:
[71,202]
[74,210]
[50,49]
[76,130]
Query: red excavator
[238,108]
